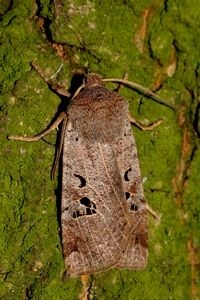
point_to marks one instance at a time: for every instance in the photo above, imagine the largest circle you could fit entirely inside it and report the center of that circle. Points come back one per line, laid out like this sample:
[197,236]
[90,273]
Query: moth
[103,208]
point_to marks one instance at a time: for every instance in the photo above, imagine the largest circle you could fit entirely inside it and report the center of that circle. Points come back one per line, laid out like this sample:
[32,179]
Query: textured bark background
[157,43]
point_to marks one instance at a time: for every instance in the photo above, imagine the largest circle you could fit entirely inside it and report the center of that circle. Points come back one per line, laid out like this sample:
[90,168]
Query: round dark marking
[85,201]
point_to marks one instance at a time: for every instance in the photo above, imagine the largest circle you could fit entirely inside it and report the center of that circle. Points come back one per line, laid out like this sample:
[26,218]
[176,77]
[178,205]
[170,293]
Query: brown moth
[103,210]
[104,214]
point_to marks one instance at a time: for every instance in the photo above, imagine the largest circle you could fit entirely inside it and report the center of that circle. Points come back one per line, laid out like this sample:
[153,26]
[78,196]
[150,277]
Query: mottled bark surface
[157,44]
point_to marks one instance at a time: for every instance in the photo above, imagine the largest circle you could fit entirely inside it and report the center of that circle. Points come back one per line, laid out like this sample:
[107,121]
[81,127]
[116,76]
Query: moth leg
[153,213]
[144,127]
[37,137]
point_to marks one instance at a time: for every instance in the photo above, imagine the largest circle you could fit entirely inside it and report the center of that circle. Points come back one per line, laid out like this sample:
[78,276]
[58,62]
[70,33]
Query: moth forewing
[95,219]
[135,255]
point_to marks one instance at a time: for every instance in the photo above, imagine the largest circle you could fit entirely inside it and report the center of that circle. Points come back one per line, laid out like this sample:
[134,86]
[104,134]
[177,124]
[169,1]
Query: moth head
[92,79]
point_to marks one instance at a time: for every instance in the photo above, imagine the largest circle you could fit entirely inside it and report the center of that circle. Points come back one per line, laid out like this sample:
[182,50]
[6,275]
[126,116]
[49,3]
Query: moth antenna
[120,85]
[153,213]
[78,90]
[142,90]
